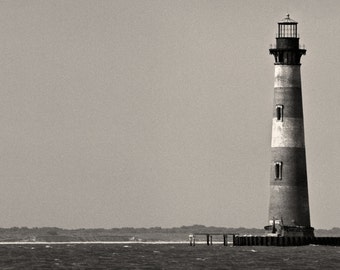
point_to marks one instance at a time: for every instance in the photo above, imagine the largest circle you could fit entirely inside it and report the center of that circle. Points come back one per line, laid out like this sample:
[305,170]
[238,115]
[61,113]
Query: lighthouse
[288,202]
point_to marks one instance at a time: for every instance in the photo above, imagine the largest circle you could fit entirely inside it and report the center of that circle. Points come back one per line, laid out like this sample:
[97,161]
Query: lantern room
[287,49]
[287,28]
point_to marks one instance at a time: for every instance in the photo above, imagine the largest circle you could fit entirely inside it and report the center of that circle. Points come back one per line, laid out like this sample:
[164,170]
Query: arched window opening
[279,112]
[278,170]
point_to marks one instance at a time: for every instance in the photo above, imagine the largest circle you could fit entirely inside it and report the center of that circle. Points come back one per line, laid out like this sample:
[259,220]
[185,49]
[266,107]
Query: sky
[145,113]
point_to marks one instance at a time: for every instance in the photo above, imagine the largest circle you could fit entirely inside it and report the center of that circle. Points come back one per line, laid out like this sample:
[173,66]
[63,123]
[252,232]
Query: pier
[285,241]
[281,241]
[209,238]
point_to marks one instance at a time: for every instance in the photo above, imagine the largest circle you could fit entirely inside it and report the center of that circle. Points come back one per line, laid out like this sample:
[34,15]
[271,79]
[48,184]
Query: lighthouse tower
[288,205]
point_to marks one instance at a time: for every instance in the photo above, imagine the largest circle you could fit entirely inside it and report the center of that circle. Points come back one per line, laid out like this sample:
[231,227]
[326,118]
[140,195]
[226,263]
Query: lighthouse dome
[287,20]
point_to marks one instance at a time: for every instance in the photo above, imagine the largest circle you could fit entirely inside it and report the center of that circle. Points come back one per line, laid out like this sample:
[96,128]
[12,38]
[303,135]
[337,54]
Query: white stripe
[288,133]
[287,76]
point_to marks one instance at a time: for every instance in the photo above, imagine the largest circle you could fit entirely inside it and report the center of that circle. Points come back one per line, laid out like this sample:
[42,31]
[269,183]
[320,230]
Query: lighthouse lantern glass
[287,30]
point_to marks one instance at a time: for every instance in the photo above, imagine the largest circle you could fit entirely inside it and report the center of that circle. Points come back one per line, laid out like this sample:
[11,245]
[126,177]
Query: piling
[191,240]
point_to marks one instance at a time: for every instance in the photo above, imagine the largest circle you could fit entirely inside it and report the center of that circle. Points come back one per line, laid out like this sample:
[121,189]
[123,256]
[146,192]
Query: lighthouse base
[289,231]
[284,241]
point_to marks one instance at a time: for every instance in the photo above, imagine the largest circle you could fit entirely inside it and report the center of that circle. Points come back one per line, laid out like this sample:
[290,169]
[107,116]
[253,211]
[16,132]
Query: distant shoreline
[127,235]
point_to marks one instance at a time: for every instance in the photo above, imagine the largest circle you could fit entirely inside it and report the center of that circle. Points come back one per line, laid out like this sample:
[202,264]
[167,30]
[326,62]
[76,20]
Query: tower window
[278,170]
[279,112]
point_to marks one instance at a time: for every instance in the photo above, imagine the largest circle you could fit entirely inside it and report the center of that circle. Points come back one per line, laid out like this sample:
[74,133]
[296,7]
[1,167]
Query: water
[165,256]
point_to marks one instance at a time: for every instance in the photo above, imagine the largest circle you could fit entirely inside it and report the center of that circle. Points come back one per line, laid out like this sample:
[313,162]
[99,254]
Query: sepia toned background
[157,113]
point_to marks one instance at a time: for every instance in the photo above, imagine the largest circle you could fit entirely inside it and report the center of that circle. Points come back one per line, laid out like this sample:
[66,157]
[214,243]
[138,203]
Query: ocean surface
[164,256]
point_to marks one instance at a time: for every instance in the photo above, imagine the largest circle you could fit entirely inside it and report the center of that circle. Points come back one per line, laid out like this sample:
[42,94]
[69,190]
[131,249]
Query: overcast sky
[157,113]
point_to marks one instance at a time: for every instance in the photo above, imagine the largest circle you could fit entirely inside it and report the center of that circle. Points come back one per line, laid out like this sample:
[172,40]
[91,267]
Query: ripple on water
[106,256]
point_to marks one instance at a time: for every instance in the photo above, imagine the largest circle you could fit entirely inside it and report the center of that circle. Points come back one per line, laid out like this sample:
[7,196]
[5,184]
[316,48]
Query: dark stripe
[291,99]
[294,171]
[290,204]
